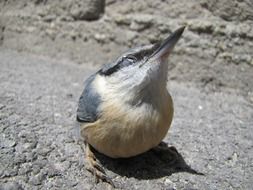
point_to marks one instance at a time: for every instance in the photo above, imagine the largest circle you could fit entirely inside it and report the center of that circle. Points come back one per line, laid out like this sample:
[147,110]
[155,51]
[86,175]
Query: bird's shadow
[156,163]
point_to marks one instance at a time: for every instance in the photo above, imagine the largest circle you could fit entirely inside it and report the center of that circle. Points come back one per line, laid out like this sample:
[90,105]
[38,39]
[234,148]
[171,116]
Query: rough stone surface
[210,80]
[211,130]
[11,186]
[218,40]
[217,43]
[87,10]
[235,10]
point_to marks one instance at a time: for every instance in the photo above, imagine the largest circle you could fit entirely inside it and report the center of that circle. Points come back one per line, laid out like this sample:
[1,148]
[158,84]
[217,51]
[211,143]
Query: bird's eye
[131,58]
[124,61]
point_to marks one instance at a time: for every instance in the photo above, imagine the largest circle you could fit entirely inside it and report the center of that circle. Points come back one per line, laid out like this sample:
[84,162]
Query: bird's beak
[164,49]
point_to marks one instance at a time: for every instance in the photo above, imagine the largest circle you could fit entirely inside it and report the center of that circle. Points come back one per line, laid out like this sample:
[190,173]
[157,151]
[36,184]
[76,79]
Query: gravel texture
[211,130]
[215,50]
[210,79]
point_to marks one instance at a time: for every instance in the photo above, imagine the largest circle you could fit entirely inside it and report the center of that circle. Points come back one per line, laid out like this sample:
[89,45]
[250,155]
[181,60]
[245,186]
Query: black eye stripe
[125,61]
[109,71]
[131,57]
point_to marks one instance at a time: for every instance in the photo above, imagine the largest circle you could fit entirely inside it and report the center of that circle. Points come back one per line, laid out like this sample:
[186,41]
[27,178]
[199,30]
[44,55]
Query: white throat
[147,85]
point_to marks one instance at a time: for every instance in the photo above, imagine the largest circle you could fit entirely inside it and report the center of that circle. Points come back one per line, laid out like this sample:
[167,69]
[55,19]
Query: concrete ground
[212,131]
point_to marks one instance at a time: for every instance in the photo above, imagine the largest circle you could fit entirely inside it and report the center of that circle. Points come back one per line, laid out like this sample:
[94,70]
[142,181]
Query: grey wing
[89,102]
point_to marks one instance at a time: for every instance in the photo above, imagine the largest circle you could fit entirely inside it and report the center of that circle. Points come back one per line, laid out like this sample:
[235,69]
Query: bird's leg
[95,168]
[166,153]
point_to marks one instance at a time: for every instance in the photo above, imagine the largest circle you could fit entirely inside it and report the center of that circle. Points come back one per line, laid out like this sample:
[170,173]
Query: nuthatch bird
[125,108]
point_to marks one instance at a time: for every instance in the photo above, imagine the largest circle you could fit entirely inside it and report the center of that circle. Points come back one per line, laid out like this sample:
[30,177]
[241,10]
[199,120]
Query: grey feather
[88,106]
[89,102]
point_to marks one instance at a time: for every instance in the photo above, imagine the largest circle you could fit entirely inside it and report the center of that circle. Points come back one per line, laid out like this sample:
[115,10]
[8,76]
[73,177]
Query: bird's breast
[125,130]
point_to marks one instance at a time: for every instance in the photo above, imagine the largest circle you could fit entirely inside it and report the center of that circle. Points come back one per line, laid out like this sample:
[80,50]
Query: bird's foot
[96,169]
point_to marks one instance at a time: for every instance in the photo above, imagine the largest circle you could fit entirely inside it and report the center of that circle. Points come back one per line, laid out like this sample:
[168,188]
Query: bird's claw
[96,169]
[100,175]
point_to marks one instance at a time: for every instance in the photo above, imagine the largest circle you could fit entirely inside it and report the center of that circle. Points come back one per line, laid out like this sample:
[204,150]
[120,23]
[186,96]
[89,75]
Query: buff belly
[120,134]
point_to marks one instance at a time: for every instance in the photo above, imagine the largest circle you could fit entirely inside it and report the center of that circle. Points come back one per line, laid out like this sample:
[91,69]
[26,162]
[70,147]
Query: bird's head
[141,67]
